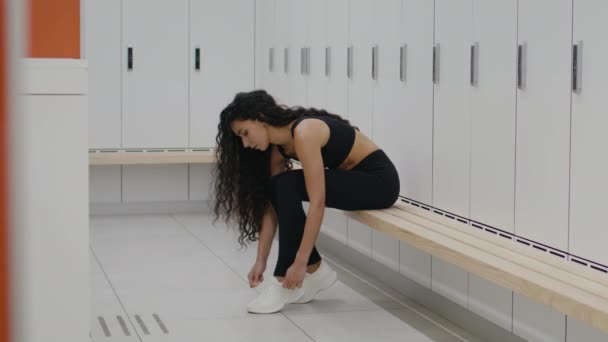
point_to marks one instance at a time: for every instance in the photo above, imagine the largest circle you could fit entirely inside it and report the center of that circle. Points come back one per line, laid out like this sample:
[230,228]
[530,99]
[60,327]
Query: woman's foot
[274,297]
[322,278]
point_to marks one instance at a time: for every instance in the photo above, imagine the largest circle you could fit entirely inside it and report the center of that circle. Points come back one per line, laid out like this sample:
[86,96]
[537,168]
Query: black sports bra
[339,145]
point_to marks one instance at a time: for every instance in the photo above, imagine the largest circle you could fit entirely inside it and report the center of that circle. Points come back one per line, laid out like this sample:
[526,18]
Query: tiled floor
[179,278]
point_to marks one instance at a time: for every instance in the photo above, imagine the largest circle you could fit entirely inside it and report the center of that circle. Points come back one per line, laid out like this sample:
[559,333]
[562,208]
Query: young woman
[256,185]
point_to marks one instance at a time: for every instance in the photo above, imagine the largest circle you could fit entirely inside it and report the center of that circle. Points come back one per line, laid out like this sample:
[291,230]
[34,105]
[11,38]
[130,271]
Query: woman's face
[252,133]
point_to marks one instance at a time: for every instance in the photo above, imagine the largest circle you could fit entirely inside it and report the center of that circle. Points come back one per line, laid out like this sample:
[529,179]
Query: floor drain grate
[125,329]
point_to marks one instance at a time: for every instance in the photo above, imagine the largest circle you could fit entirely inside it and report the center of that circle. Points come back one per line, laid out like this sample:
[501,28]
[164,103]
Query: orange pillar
[54,29]
[4,229]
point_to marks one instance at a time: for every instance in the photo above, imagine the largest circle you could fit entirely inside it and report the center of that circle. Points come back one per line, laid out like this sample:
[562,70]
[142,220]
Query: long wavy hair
[241,177]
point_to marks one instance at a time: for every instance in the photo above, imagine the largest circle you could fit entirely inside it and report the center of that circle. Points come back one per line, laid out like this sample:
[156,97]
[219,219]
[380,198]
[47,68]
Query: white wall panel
[537,322]
[155,183]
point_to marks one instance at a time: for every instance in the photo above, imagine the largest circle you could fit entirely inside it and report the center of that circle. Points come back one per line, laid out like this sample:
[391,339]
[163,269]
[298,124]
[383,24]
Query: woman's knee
[288,184]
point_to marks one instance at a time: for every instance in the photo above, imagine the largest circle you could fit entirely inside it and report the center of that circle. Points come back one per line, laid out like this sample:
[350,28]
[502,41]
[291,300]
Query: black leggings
[372,184]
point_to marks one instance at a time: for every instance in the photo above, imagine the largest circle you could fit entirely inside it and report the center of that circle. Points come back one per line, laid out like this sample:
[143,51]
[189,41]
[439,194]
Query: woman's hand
[256,275]
[295,275]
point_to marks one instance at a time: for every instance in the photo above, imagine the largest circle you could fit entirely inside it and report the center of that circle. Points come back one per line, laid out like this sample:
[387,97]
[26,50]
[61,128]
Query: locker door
[360,86]
[337,40]
[266,51]
[337,86]
[451,151]
[493,113]
[155,89]
[103,53]
[226,64]
[543,122]
[493,139]
[452,119]
[299,12]
[284,52]
[360,93]
[415,111]
[589,140]
[317,81]
[387,122]
[415,102]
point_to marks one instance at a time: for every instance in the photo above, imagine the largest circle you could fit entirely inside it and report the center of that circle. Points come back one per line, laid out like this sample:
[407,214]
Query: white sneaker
[274,297]
[323,278]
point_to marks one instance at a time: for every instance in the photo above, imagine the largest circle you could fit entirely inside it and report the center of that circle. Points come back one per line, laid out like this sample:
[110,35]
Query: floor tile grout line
[396,299]
[200,241]
[234,271]
[115,293]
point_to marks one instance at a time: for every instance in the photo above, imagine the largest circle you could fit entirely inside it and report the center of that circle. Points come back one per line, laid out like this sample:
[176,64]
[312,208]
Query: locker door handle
[303,61]
[307,60]
[271,59]
[474,63]
[577,63]
[327,60]
[375,62]
[521,65]
[402,62]
[349,62]
[130,58]
[197,59]
[285,60]
[436,64]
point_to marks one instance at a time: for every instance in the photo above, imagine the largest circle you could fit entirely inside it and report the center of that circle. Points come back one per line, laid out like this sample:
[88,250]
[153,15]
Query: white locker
[360,84]
[337,85]
[543,122]
[337,41]
[266,52]
[493,82]
[315,61]
[225,50]
[284,49]
[387,123]
[415,102]
[589,161]
[102,50]
[452,113]
[452,119]
[298,26]
[155,80]
[360,94]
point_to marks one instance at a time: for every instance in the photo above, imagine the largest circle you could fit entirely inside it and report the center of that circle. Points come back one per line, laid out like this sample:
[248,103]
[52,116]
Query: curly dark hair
[241,176]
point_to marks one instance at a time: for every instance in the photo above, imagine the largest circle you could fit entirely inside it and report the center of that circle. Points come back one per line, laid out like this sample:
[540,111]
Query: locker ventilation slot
[152,150]
[579,262]
[516,239]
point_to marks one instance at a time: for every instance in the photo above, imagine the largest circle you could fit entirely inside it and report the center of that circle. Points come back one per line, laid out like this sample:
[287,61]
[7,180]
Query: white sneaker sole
[327,283]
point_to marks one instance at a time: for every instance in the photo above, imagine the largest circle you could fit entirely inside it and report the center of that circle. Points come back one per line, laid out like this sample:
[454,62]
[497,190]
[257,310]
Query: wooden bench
[571,289]
[151,157]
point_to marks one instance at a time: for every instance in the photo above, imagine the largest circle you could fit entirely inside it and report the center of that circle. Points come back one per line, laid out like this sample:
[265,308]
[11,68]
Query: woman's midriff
[362,147]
